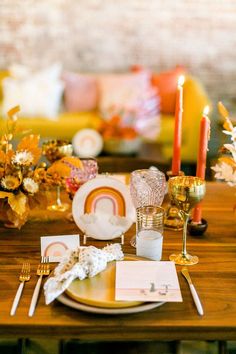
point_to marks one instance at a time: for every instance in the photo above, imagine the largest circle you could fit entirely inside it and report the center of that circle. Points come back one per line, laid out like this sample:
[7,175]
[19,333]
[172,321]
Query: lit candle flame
[206,110]
[181,80]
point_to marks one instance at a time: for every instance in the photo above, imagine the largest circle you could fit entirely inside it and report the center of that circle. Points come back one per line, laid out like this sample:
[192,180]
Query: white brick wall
[110,35]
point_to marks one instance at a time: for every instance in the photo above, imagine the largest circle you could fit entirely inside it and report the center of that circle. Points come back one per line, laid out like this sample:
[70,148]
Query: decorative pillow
[166,84]
[148,123]
[121,90]
[81,92]
[132,96]
[38,93]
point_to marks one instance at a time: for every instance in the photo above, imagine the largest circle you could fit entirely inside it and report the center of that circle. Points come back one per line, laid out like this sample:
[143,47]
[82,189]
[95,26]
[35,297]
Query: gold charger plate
[99,291]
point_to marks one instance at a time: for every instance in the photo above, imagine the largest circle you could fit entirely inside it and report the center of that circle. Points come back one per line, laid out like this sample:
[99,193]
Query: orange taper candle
[178,128]
[202,155]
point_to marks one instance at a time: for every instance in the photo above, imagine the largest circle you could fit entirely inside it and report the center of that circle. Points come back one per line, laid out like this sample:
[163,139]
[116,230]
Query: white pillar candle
[149,244]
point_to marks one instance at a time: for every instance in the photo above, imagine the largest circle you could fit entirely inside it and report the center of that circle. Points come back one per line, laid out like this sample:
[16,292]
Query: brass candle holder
[54,150]
[173,220]
[186,192]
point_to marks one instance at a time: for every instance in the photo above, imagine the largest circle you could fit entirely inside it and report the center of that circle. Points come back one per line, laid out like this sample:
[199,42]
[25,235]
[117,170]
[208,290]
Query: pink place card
[147,281]
[55,247]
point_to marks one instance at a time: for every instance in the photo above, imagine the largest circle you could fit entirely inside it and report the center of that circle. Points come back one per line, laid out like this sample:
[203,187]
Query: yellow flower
[23,158]
[30,185]
[10,182]
[30,143]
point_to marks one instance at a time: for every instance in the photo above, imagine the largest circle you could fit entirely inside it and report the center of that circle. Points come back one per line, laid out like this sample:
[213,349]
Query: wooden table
[214,278]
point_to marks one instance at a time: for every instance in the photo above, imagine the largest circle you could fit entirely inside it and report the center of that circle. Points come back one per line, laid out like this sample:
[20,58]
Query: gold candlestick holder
[186,192]
[54,150]
[173,219]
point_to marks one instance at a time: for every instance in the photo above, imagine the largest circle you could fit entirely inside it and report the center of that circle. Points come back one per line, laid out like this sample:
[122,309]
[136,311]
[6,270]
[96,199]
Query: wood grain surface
[214,278]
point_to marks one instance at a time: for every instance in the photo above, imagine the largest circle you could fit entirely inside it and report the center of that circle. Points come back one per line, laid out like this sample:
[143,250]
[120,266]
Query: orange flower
[113,128]
[115,120]
[62,168]
[129,133]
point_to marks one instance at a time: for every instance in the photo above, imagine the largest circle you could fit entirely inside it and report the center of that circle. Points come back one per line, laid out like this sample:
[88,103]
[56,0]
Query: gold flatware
[195,296]
[42,270]
[23,277]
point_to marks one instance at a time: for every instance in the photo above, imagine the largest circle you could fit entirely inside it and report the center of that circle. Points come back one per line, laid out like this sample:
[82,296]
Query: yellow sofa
[195,99]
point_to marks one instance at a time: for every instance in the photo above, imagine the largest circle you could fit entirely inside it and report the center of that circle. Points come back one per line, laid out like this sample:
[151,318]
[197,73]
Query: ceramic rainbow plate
[87,143]
[102,208]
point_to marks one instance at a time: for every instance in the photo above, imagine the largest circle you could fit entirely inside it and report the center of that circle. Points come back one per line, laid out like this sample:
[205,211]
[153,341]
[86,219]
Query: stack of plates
[97,294]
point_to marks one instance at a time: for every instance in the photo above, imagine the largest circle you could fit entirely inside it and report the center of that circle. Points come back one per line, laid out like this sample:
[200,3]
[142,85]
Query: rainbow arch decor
[102,207]
[104,198]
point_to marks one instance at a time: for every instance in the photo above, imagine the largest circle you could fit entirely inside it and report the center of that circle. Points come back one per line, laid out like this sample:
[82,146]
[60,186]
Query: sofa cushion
[38,93]
[81,92]
[121,91]
[131,96]
[166,84]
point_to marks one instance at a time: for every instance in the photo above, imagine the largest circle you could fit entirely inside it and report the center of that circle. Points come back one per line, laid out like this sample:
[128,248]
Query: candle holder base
[197,229]
[59,207]
[184,260]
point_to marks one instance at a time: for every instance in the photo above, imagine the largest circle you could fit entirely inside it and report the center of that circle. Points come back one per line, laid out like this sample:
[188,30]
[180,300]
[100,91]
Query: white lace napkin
[81,263]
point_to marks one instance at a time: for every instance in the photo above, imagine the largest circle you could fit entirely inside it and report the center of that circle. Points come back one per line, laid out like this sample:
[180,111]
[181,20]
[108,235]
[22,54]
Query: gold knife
[195,296]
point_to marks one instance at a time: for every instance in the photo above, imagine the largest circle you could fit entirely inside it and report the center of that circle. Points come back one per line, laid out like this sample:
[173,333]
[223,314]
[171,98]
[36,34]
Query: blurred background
[110,36]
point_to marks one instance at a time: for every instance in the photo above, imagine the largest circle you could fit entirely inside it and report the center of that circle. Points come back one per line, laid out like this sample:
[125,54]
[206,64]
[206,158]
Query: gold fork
[43,269]
[23,277]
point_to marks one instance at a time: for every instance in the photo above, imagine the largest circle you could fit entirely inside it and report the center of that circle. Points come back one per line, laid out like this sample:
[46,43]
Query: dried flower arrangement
[225,169]
[24,181]
[22,177]
[115,128]
[120,135]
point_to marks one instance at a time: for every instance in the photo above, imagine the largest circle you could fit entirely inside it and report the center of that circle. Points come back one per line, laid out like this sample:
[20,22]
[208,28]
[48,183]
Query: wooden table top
[214,278]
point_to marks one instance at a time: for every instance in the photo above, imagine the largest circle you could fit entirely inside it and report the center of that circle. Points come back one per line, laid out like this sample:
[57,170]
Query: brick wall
[110,35]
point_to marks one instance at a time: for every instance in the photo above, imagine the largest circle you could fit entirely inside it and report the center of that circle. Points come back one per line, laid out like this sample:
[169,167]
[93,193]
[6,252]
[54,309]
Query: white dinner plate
[106,197]
[108,311]
[87,143]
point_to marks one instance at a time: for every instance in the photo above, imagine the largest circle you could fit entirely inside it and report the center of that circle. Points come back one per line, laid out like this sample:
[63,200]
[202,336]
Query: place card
[147,281]
[55,247]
